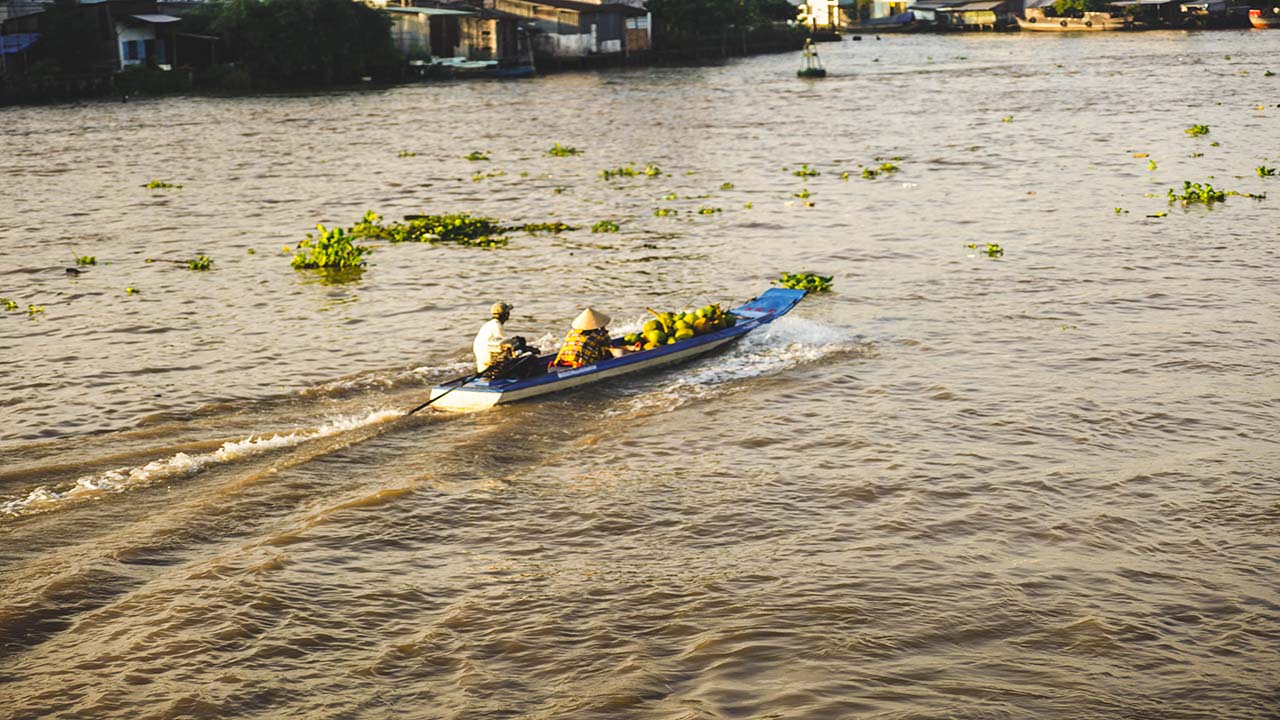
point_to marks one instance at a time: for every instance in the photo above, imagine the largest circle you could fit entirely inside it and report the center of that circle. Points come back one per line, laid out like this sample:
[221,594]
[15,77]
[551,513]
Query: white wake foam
[45,498]
[786,343]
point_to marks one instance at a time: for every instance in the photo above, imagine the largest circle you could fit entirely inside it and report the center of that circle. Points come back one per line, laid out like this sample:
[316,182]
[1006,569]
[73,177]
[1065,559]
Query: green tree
[1076,8]
[300,42]
[685,23]
[70,38]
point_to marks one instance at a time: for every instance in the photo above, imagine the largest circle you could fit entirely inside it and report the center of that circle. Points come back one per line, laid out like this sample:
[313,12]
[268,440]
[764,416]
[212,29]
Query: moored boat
[1037,21]
[471,393]
[1262,20]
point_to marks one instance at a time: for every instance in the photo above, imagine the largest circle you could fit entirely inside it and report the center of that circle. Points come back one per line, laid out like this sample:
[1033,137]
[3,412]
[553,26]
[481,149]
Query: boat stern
[464,399]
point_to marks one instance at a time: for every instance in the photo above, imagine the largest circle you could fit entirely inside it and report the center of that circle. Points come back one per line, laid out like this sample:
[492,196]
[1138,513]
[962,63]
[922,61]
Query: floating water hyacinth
[1206,194]
[329,249]
[991,249]
[808,282]
[559,150]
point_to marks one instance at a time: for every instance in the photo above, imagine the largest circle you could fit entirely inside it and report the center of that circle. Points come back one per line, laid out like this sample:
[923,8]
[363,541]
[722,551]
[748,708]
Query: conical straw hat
[590,320]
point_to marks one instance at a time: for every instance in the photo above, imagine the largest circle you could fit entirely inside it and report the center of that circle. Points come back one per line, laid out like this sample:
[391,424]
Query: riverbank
[1038,484]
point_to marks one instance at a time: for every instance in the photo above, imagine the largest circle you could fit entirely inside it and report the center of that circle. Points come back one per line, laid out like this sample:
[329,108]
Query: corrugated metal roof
[973,6]
[156,19]
[586,7]
[427,11]
[17,42]
[935,4]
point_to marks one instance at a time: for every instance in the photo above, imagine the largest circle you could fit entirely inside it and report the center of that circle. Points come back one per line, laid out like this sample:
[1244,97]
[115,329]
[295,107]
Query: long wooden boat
[1262,21]
[1037,21]
[468,394]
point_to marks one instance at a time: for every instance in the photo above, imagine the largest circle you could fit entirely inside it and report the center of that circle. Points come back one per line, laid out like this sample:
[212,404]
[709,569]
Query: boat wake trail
[88,487]
[786,343]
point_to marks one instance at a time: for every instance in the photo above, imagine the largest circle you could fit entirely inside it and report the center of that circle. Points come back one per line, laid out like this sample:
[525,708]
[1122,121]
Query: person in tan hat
[587,342]
[488,341]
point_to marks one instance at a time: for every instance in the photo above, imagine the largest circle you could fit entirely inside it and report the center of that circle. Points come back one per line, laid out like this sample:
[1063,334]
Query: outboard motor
[515,359]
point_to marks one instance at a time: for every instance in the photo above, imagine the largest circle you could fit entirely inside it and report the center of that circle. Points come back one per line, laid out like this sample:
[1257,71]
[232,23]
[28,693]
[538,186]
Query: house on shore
[455,30]
[116,34]
[571,32]
[966,14]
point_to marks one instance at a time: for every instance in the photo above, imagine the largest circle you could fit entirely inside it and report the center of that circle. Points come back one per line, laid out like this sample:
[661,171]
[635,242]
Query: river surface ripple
[1038,485]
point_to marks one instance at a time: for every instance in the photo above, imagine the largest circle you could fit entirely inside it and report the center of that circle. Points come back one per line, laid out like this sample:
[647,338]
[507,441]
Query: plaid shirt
[583,347]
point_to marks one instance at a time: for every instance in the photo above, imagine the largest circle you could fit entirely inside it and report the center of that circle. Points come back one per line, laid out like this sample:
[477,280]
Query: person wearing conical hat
[587,342]
[488,341]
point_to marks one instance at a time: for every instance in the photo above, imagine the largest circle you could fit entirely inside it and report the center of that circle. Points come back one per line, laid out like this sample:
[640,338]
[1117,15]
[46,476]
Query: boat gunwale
[752,319]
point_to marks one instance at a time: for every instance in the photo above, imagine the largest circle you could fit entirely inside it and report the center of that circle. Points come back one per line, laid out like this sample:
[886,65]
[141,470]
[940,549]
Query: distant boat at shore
[1262,21]
[1037,21]
[462,67]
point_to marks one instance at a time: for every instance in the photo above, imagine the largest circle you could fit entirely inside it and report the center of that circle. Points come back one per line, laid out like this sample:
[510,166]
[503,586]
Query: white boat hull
[469,399]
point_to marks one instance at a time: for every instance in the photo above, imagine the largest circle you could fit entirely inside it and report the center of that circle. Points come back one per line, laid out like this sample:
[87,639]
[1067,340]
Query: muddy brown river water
[1036,485]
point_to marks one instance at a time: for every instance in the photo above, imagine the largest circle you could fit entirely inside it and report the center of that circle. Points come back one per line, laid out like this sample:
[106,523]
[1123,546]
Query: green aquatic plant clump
[1264,171]
[611,173]
[1197,130]
[808,282]
[8,305]
[605,226]
[459,228]
[559,150]
[476,155]
[329,249]
[805,171]
[1197,193]
[547,227]
[83,260]
[990,249]
[161,185]
[201,262]
[665,212]
[1207,194]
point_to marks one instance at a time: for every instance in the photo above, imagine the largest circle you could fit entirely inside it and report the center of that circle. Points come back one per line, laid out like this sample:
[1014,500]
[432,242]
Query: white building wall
[126,33]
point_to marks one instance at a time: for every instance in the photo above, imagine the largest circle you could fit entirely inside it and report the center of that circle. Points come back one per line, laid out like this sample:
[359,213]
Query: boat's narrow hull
[1264,22]
[470,399]
[1072,25]
[474,394]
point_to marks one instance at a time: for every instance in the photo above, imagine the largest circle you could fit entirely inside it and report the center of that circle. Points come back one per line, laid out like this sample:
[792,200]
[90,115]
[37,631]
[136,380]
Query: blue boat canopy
[17,42]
